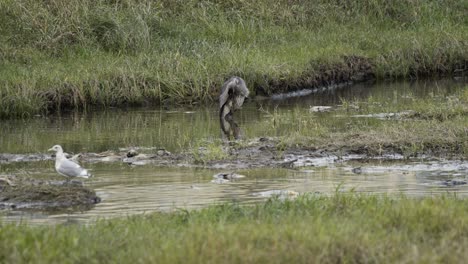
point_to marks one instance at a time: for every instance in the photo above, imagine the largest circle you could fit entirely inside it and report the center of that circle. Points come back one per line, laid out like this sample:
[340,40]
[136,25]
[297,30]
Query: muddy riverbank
[17,192]
[256,153]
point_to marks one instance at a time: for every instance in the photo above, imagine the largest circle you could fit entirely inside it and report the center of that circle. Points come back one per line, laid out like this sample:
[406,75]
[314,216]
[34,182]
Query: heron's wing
[70,168]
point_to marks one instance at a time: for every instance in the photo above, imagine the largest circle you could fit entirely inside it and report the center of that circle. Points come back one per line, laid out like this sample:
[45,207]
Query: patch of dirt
[24,193]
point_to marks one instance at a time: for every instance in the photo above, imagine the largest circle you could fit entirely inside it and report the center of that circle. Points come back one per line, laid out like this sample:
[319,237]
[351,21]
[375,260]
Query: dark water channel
[127,190]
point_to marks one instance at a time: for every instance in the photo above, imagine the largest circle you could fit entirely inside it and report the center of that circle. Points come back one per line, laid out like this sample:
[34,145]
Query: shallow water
[127,190]
[178,128]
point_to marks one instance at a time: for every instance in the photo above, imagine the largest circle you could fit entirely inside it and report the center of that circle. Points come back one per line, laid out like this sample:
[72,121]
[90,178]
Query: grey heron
[233,93]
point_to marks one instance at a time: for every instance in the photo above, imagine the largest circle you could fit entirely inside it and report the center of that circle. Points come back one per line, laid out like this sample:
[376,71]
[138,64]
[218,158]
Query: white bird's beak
[51,149]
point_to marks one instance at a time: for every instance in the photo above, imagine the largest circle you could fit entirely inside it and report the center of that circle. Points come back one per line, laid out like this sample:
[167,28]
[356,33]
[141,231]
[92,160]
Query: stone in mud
[20,193]
[132,153]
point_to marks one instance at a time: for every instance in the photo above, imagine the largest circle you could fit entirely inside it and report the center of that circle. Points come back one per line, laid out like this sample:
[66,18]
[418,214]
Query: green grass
[434,124]
[204,151]
[342,228]
[76,54]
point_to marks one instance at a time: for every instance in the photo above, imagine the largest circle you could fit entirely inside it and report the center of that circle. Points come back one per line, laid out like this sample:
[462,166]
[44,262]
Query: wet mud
[255,153]
[26,193]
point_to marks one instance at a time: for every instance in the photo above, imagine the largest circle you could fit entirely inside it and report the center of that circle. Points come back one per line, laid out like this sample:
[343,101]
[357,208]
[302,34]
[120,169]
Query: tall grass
[341,228]
[62,54]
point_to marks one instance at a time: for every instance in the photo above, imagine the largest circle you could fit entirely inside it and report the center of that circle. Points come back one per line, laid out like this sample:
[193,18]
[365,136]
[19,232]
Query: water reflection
[229,128]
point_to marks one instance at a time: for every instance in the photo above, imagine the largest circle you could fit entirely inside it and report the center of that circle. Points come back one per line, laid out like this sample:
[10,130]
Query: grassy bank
[341,228]
[74,54]
[410,126]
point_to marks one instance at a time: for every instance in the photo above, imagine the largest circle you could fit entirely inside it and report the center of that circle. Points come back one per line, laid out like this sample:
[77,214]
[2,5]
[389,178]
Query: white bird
[67,167]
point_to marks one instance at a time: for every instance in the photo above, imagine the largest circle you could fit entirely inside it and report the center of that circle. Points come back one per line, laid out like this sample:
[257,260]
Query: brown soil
[25,193]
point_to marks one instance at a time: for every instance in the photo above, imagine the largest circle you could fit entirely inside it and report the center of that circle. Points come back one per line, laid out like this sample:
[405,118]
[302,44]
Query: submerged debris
[228,176]
[454,182]
[225,177]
